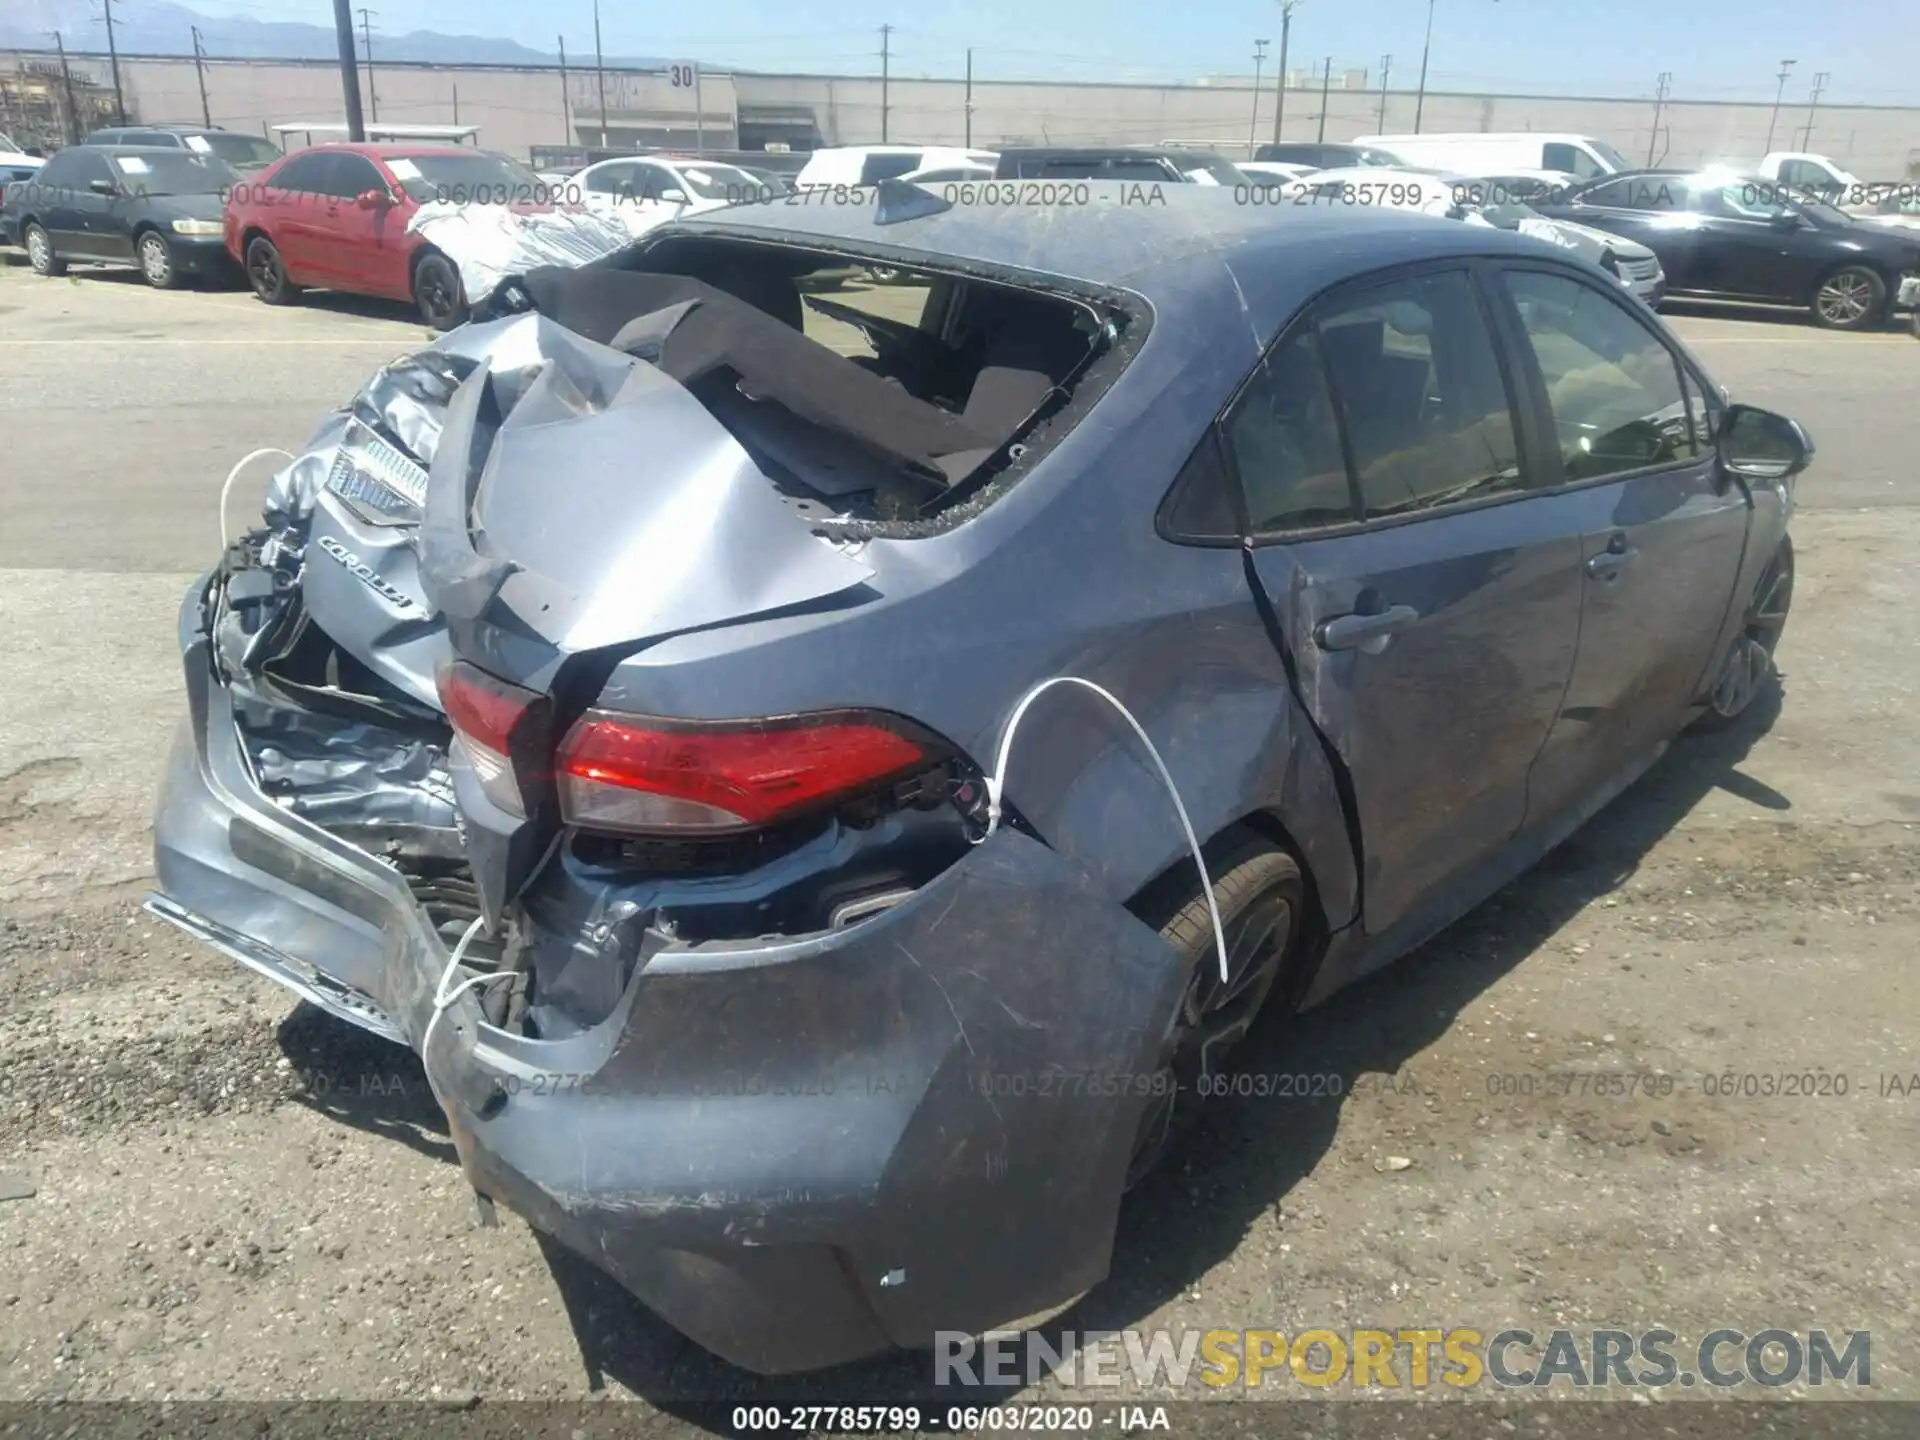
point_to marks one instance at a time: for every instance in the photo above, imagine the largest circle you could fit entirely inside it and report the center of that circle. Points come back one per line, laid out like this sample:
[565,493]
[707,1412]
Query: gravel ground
[236,1198]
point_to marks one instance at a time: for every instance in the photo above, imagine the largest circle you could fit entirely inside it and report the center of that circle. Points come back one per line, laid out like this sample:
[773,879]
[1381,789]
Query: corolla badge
[365,574]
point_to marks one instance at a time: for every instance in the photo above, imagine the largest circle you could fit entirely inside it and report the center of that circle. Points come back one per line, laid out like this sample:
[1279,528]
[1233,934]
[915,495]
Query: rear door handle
[1612,560]
[1371,633]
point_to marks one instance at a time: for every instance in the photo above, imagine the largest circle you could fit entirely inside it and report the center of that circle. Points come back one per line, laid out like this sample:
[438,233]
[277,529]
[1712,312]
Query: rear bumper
[798,1151]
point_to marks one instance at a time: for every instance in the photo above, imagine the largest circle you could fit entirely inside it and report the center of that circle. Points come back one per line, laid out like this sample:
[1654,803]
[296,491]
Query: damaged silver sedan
[819,817]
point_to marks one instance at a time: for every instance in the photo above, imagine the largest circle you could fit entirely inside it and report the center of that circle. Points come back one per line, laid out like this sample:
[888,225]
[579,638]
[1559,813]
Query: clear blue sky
[1716,49]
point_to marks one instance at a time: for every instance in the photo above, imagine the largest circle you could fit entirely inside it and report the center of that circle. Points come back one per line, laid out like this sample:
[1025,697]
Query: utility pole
[200,69]
[600,70]
[1326,83]
[72,119]
[1426,50]
[566,101]
[366,36]
[969,106]
[1386,69]
[456,102]
[1659,104]
[113,54]
[1253,124]
[1813,104]
[1280,78]
[886,45]
[349,70]
[1785,67]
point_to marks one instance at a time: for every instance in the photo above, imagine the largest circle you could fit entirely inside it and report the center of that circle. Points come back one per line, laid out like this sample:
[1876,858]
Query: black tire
[438,293]
[1853,297]
[1263,905]
[267,273]
[1746,671]
[40,252]
[155,257]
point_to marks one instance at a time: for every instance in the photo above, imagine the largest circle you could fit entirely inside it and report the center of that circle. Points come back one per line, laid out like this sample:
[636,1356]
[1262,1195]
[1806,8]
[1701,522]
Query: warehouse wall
[516,108]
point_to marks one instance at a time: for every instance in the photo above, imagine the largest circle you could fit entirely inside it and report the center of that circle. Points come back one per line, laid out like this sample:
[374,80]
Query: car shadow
[1236,1164]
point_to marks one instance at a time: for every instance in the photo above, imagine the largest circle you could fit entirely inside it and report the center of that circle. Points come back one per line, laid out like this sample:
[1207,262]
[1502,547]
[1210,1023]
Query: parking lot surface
[239,1198]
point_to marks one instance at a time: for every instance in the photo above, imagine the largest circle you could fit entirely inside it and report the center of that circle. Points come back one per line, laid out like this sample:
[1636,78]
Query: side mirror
[1757,444]
[674,195]
[1786,220]
[102,187]
[372,199]
[36,152]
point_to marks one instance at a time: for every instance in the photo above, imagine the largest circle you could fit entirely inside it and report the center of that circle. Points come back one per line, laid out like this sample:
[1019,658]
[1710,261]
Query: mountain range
[159,27]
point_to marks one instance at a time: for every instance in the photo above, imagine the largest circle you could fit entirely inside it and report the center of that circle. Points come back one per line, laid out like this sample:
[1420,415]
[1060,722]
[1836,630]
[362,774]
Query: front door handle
[1611,561]
[1371,633]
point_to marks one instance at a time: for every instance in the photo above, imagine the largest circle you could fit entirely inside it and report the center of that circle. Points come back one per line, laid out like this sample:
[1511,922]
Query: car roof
[1102,152]
[1195,241]
[392,149]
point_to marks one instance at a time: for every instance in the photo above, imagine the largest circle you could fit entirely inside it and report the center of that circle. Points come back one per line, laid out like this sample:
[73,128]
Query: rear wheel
[1851,298]
[267,272]
[1262,900]
[156,261]
[40,253]
[438,293]
[1748,669]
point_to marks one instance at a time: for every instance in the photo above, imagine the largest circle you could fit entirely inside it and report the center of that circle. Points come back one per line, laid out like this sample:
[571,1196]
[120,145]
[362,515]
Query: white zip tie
[996,782]
[234,474]
[443,997]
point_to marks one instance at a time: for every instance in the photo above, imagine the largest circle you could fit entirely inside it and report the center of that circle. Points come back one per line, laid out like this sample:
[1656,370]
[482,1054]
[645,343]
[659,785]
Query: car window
[1804,172]
[610,180]
[1639,192]
[1746,200]
[153,137]
[875,168]
[304,174]
[236,149]
[1573,159]
[1425,407]
[465,177]
[1285,441]
[349,176]
[1703,413]
[89,166]
[62,169]
[1613,387]
[178,173]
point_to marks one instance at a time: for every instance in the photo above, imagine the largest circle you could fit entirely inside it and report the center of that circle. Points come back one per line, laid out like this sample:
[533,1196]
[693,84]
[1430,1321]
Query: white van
[1500,153]
[870,164]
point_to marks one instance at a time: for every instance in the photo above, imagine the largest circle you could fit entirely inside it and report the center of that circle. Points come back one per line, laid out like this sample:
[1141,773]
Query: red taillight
[502,730]
[627,772]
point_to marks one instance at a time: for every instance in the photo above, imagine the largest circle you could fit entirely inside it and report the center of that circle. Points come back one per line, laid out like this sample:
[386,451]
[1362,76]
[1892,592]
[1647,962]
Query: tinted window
[1804,172]
[467,177]
[236,149]
[1640,192]
[1573,159]
[611,180]
[62,169]
[875,168]
[151,137]
[1614,389]
[179,173]
[1421,395]
[1285,441]
[350,175]
[304,173]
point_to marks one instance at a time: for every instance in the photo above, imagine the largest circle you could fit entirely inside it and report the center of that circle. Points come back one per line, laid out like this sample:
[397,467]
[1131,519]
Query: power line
[366,35]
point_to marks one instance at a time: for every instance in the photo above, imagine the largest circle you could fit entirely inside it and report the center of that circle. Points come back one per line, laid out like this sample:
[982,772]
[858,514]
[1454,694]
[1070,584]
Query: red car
[335,216]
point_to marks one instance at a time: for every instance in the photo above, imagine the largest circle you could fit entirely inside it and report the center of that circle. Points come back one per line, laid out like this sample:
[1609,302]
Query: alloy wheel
[1750,659]
[1846,298]
[39,251]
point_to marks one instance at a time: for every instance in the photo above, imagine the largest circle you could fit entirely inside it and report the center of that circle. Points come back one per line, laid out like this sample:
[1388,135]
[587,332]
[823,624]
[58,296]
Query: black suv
[1116,162]
[243,152]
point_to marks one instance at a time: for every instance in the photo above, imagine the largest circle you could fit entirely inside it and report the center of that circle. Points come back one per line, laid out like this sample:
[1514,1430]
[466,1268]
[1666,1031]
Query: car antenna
[897,200]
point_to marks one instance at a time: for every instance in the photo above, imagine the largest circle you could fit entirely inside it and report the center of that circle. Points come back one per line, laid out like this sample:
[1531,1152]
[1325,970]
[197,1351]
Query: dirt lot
[235,1197]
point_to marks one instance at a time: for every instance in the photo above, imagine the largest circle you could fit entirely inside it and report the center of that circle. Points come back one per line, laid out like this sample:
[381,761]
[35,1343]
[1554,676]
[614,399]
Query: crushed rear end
[744,1008]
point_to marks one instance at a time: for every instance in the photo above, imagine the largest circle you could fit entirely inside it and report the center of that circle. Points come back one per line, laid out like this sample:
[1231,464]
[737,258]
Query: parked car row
[180,201]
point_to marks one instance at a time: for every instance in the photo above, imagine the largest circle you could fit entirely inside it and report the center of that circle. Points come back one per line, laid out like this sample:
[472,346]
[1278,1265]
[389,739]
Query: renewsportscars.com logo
[1404,1358]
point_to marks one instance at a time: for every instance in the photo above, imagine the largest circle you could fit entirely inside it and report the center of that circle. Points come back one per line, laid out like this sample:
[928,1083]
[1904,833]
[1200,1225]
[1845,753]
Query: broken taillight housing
[643,775]
[503,731]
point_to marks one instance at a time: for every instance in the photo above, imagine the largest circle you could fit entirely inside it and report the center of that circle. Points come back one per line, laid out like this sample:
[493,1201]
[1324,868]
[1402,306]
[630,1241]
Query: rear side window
[612,180]
[304,174]
[62,169]
[1613,387]
[349,176]
[1285,441]
[1572,159]
[875,168]
[1422,399]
